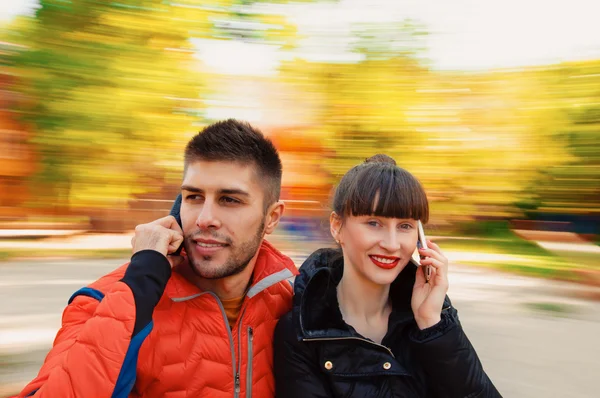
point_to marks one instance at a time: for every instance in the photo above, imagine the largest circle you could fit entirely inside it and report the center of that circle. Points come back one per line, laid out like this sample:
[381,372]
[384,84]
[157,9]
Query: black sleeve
[147,276]
[297,374]
[451,365]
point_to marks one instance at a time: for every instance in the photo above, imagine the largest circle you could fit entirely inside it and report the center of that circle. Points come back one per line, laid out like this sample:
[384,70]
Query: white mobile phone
[422,242]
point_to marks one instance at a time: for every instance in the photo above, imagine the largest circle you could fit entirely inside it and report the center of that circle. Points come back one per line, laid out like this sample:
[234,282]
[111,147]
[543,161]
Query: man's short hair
[237,141]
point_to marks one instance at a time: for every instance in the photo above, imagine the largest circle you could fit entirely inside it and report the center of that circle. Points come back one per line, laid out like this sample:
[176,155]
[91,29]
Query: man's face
[222,216]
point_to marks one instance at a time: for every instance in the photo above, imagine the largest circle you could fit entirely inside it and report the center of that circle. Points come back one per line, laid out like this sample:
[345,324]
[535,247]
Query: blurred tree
[116,87]
[112,90]
[572,186]
[109,82]
[17,158]
[486,144]
[365,101]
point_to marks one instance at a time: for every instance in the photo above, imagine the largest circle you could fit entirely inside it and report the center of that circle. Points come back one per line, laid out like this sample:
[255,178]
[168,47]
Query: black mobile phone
[175,212]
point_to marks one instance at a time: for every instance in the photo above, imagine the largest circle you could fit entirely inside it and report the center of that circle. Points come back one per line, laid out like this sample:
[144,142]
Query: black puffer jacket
[318,355]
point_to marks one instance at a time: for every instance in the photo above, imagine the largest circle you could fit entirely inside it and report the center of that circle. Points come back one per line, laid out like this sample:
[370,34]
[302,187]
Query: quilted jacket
[318,355]
[145,331]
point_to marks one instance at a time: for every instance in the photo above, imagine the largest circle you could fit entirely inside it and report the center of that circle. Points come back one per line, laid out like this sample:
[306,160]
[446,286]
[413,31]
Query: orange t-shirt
[232,309]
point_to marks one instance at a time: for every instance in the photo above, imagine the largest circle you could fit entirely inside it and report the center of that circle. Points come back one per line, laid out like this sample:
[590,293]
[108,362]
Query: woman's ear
[335,227]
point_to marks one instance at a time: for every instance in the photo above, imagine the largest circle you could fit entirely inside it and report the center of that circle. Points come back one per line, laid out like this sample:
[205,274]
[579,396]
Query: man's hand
[163,235]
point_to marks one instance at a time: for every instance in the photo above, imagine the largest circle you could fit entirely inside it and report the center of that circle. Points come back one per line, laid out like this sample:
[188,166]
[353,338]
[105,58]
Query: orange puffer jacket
[142,331]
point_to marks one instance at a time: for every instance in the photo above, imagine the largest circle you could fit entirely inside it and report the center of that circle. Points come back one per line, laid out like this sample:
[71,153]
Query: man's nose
[207,219]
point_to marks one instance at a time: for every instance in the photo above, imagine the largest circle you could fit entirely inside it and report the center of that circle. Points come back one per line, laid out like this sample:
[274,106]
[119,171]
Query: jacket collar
[271,268]
[316,309]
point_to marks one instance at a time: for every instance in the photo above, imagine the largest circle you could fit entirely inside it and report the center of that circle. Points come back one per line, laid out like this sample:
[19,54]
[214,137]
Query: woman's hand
[428,297]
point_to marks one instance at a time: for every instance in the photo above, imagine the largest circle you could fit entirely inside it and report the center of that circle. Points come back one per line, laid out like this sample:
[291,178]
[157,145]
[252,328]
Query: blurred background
[493,104]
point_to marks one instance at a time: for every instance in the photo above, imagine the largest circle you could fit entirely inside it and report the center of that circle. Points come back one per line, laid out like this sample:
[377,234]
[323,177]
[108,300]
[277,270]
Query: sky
[464,34]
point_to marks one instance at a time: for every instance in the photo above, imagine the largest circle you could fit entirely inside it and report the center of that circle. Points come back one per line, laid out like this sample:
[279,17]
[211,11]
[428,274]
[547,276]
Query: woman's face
[377,248]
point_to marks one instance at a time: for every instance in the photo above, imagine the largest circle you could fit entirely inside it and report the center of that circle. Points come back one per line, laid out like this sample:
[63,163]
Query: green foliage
[113,91]
[106,83]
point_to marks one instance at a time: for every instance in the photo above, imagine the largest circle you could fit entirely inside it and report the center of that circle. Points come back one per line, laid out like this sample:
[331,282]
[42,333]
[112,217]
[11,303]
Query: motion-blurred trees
[108,84]
[115,88]
[502,143]
[112,90]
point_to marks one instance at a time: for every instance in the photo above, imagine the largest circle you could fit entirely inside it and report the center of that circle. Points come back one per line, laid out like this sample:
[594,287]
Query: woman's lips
[385,262]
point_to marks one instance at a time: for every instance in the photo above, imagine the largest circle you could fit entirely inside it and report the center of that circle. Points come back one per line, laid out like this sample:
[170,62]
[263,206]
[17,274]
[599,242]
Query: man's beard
[239,256]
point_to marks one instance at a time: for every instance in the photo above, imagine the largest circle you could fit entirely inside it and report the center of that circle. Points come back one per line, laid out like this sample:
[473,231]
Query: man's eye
[228,199]
[192,197]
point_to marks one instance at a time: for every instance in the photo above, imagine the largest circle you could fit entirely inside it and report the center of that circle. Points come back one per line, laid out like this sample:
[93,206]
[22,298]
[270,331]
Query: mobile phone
[422,243]
[175,212]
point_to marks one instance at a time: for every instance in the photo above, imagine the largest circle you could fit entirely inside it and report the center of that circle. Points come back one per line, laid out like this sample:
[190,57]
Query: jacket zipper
[249,364]
[239,362]
[237,365]
[351,338]
[236,375]
[237,385]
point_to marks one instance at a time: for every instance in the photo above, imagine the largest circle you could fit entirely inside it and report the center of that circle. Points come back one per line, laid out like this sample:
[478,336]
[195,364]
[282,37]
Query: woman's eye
[373,223]
[406,226]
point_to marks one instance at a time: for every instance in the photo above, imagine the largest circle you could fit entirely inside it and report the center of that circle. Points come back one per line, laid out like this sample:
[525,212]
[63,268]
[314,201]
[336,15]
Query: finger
[434,247]
[434,262]
[439,254]
[434,273]
[420,279]
[175,240]
[168,222]
[439,288]
[424,253]
[437,265]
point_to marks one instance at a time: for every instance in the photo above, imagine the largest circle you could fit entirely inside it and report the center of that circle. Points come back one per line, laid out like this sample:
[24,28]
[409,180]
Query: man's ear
[274,214]
[335,227]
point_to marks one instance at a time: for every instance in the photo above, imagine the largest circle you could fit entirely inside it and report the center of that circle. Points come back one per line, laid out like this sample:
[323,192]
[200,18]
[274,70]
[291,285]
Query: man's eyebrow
[234,191]
[190,188]
[224,191]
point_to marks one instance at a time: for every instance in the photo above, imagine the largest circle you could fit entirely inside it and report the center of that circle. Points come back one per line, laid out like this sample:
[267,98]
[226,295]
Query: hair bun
[380,158]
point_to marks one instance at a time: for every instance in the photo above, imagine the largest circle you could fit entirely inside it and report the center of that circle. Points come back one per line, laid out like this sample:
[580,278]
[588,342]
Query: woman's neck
[362,299]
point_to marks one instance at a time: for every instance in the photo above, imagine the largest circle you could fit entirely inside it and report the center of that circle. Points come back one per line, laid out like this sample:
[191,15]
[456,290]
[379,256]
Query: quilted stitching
[193,353]
[187,354]
[188,351]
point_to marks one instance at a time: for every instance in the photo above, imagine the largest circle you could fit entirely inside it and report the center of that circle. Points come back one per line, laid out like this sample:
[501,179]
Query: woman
[365,323]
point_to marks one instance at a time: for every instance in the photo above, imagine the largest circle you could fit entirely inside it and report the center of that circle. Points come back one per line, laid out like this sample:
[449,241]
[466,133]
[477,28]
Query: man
[199,324]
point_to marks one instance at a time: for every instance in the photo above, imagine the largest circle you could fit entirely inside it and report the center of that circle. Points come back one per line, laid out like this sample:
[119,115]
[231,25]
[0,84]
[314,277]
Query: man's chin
[211,269]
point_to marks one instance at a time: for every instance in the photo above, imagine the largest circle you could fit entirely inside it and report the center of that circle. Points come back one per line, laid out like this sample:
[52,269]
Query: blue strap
[127,375]
[87,291]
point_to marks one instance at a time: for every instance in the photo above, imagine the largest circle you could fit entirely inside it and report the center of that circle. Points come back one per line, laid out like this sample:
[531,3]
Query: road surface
[535,337]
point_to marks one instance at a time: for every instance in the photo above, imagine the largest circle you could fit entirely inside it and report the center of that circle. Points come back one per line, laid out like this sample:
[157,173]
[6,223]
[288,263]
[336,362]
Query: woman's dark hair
[379,187]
